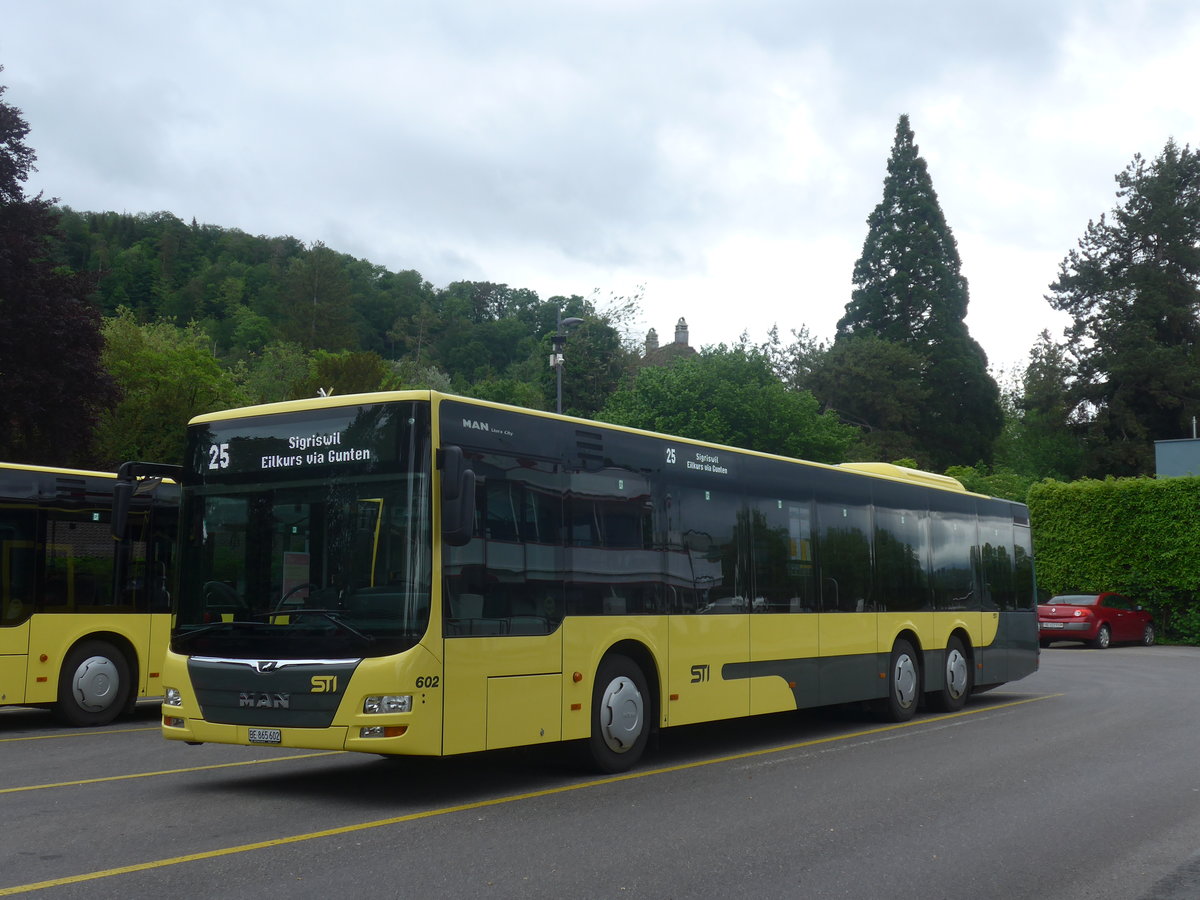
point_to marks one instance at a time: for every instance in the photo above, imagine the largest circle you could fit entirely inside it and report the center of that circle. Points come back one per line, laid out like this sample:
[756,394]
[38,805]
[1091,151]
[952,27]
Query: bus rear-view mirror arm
[136,478]
[458,497]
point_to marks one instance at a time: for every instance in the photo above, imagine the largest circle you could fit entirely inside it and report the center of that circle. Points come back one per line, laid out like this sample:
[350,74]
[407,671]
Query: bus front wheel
[620,708]
[94,685]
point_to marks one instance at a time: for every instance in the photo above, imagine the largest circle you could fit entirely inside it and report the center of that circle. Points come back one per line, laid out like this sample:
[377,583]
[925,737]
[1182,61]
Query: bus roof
[56,470]
[882,470]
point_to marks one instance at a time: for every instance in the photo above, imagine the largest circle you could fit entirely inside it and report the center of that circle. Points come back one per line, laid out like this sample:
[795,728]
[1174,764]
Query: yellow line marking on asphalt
[244,762]
[497,801]
[80,733]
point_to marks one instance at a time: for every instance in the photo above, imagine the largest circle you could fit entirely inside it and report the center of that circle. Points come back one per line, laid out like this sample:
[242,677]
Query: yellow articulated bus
[84,618]
[417,573]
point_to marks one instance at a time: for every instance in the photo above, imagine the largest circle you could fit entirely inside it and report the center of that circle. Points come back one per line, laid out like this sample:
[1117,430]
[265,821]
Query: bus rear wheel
[94,686]
[956,678]
[620,708]
[904,683]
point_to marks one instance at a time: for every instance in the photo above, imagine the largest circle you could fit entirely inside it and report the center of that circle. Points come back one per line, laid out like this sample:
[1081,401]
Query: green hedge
[1139,536]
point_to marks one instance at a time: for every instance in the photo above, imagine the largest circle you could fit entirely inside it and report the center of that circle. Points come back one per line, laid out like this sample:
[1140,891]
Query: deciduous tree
[166,376]
[876,386]
[1132,288]
[730,397]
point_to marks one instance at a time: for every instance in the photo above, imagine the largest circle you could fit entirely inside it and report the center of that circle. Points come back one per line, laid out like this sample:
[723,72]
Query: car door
[1118,611]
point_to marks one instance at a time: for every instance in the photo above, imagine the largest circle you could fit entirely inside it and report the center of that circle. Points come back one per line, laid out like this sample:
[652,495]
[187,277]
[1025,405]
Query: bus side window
[781,547]
[17,532]
[509,578]
[844,551]
[79,559]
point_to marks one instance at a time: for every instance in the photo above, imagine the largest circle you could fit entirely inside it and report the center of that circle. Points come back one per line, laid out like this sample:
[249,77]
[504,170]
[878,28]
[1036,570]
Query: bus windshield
[291,562]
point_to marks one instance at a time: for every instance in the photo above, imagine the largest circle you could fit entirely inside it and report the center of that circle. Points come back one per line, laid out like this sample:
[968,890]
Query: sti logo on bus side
[264,700]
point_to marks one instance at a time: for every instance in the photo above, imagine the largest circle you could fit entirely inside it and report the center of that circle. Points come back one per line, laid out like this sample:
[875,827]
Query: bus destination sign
[355,436]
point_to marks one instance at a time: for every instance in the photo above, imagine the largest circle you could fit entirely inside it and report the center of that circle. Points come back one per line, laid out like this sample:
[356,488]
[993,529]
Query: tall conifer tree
[909,289]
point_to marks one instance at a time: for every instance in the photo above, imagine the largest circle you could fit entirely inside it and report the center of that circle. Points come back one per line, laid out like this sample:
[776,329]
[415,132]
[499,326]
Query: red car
[1096,619]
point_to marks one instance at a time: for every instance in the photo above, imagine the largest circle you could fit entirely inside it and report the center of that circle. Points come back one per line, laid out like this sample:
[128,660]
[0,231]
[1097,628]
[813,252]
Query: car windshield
[1074,600]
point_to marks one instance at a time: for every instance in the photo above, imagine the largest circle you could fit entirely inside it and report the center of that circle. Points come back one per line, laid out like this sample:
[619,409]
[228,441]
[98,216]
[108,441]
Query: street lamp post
[559,338]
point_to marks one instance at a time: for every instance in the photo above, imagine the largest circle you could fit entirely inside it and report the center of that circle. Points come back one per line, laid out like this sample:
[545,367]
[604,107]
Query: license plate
[1052,624]
[263,735]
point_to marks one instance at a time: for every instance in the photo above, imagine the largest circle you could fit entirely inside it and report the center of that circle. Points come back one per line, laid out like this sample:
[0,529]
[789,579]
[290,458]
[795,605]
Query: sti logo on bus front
[264,700]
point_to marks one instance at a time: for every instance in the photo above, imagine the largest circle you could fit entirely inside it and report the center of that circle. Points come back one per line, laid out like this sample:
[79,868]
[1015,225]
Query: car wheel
[904,683]
[1103,638]
[956,678]
[620,715]
[1148,636]
[94,686]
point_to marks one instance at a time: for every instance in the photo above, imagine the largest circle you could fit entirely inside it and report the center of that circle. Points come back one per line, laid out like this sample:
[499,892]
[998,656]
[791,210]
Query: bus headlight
[388,703]
[172,697]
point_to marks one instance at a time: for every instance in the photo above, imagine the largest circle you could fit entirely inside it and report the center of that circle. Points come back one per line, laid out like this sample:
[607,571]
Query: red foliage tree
[52,384]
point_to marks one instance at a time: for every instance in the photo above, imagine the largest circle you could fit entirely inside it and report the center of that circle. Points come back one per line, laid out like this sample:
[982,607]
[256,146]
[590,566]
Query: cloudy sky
[720,156]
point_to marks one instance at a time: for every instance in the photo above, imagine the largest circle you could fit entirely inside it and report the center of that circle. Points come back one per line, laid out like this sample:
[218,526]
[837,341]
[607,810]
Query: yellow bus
[84,618]
[418,573]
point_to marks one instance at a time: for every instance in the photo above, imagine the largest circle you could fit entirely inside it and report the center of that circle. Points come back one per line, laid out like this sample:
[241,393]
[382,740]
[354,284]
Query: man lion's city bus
[84,619]
[416,573]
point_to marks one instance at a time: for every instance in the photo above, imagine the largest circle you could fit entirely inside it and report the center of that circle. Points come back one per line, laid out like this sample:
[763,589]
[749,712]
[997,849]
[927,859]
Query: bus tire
[620,714]
[956,678]
[94,686]
[904,683]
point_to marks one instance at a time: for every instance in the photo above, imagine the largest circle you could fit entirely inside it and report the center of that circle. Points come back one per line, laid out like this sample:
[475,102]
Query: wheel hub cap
[904,679]
[95,683]
[621,714]
[956,674]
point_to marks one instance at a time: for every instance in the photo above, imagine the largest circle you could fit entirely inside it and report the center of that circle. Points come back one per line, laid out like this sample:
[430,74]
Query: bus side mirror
[122,497]
[134,478]
[458,497]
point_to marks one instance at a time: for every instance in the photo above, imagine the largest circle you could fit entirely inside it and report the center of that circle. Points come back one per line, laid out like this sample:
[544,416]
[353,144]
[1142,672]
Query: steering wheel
[295,590]
[218,593]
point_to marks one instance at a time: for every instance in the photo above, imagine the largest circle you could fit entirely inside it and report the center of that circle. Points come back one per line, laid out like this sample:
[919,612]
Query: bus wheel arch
[904,679]
[623,708]
[958,675]
[96,682]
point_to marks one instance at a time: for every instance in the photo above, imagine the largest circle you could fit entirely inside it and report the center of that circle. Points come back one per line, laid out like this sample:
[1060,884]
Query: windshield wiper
[334,616]
[205,629]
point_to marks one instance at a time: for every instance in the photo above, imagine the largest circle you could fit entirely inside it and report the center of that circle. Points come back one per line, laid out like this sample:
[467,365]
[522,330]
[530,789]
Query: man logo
[324,684]
[263,700]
